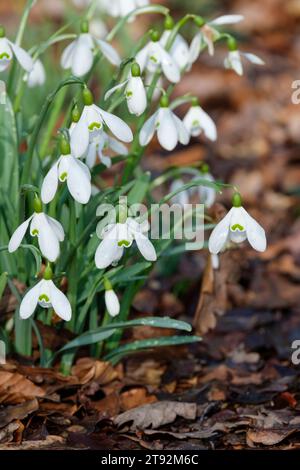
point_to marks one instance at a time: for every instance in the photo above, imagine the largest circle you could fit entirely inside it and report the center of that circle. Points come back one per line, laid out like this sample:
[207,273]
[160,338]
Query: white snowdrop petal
[255,233]
[37,76]
[24,59]
[82,59]
[112,303]
[167,132]
[169,66]
[50,184]
[113,89]
[253,58]
[227,19]
[109,52]
[106,252]
[195,48]
[91,155]
[29,301]
[220,234]
[183,135]
[117,146]
[47,239]
[117,126]
[142,56]
[79,140]
[145,247]
[78,182]
[60,302]
[56,227]
[18,235]
[148,129]
[136,96]
[67,55]
[207,124]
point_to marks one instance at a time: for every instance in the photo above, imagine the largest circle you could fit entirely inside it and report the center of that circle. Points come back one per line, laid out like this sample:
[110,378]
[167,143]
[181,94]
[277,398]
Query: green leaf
[139,190]
[118,353]
[3,282]
[36,253]
[86,339]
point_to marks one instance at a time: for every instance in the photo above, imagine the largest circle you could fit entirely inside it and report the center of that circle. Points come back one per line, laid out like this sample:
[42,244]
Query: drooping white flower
[119,236]
[208,34]
[93,119]
[197,121]
[78,56]
[47,295]
[48,231]
[99,143]
[179,49]
[135,92]
[111,299]
[71,170]
[234,60]
[153,56]
[8,49]
[37,76]
[170,129]
[237,226]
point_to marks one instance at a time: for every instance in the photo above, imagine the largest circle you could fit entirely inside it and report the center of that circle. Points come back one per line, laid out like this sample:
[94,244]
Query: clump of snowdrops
[80,268]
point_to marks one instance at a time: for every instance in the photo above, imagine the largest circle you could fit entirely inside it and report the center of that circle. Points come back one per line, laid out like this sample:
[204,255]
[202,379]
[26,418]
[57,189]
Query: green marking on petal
[125,243]
[95,125]
[34,232]
[44,297]
[154,59]
[196,123]
[237,227]
[129,94]
[63,176]
[4,55]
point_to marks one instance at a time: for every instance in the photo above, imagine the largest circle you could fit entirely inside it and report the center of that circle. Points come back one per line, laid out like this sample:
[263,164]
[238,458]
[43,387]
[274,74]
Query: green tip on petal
[48,273]
[199,21]
[107,284]
[169,23]
[65,148]
[37,204]
[84,27]
[236,200]
[205,168]
[76,114]
[164,102]
[87,97]
[231,44]
[2,31]
[135,70]
[155,35]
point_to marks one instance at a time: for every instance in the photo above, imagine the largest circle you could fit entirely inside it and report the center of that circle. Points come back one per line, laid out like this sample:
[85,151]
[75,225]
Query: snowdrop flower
[92,119]
[135,92]
[37,76]
[78,56]
[170,129]
[197,121]
[237,226]
[69,169]
[111,300]
[47,295]
[179,49]
[8,49]
[206,194]
[183,197]
[119,236]
[234,58]
[208,34]
[122,7]
[99,142]
[153,56]
[48,231]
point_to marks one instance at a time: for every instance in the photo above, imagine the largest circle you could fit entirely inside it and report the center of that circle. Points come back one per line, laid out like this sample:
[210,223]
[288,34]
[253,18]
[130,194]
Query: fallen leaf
[20,411]
[15,388]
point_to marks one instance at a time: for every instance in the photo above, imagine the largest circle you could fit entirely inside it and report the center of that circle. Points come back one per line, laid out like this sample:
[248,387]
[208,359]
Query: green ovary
[95,125]
[237,227]
[124,243]
[44,297]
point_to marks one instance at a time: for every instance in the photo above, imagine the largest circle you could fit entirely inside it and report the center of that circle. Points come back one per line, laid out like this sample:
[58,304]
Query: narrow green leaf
[3,282]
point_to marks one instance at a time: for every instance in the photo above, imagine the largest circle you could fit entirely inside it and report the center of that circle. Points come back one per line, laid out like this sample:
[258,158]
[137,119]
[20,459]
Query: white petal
[206,123]
[136,96]
[255,233]
[106,253]
[253,58]
[109,52]
[91,155]
[37,76]
[195,48]
[78,182]
[169,66]
[227,19]
[56,227]
[48,241]
[60,302]
[118,127]
[82,59]
[219,234]
[22,57]
[50,184]
[18,236]
[180,52]
[145,246]
[142,57]
[234,62]
[67,55]
[113,89]
[183,135]
[117,146]
[148,129]
[167,132]
[29,302]
[80,138]
[112,303]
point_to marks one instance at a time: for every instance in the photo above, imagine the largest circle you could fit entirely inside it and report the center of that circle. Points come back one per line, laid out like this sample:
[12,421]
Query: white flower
[92,119]
[153,56]
[234,60]
[179,49]
[112,302]
[78,56]
[237,226]
[47,295]
[135,92]
[37,76]
[48,231]
[117,237]
[74,172]
[207,194]
[170,129]
[183,197]
[197,120]
[8,49]
[122,7]
[99,142]
[208,34]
